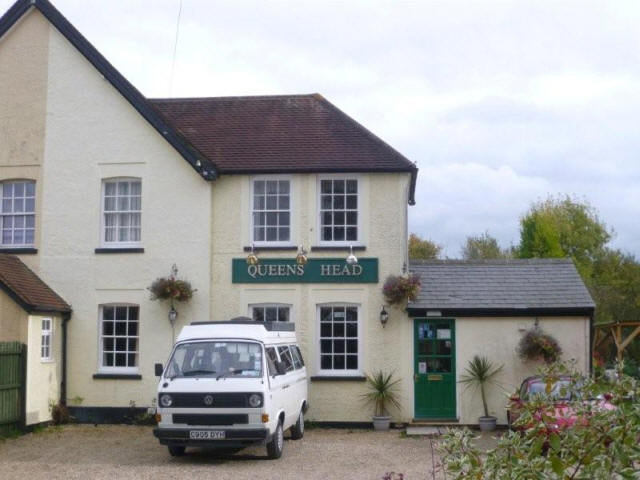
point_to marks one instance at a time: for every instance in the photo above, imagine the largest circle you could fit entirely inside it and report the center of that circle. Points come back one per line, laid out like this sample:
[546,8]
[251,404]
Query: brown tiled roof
[27,289]
[288,133]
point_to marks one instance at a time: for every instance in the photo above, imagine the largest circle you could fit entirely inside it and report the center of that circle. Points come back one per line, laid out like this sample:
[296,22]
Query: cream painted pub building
[103,190]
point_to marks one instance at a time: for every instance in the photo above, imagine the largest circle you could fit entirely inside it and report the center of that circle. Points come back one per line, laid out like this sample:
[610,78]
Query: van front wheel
[274,447]
[176,450]
[297,431]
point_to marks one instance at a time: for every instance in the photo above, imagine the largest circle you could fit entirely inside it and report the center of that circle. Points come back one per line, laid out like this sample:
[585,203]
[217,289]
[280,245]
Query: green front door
[434,368]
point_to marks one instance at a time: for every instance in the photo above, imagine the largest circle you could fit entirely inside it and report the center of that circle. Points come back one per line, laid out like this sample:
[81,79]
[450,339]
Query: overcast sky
[499,103]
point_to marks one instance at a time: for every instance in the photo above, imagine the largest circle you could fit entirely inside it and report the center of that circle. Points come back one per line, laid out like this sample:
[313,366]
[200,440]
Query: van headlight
[255,400]
[166,400]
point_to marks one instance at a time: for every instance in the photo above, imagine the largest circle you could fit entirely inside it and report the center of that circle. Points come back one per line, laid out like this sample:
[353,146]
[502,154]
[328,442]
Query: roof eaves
[488,311]
[408,166]
[198,161]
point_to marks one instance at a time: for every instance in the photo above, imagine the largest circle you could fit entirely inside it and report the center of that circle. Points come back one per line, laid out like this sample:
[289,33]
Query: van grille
[220,419]
[220,400]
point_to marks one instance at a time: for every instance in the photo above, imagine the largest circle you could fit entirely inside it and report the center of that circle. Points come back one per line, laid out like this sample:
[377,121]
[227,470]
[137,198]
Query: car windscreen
[561,390]
[219,359]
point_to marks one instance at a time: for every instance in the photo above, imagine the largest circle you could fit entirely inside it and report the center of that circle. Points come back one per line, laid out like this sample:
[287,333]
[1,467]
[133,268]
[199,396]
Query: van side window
[296,359]
[272,358]
[285,357]
[297,356]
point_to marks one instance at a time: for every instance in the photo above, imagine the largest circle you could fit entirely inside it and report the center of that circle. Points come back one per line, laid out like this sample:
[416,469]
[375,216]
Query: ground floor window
[119,334]
[339,339]
[45,339]
[273,312]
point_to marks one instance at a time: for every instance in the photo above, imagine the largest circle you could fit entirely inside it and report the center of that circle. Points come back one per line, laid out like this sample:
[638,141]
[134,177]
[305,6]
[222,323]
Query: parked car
[562,396]
[229,385]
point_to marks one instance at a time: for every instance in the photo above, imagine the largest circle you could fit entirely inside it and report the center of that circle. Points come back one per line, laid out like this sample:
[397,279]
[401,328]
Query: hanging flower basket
[400,289]
[171,288]
[536,345]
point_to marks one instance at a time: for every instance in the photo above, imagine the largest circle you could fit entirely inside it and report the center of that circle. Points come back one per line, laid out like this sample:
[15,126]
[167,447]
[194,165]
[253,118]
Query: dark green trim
[19,251]
[119,250]
[317,270]
[273,248]
[337,378]
[435,389]
[102,415]
[116,376]
[335,248]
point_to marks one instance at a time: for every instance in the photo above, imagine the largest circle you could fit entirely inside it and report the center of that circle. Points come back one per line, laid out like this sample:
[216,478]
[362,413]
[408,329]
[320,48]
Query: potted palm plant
[382,392]
[481,373]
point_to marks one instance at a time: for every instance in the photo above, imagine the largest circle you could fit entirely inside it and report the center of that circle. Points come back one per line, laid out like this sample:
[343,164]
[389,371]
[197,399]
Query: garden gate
[12,384]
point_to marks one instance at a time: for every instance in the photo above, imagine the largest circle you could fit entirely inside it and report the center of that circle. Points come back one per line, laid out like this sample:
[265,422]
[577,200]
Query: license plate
[206,434]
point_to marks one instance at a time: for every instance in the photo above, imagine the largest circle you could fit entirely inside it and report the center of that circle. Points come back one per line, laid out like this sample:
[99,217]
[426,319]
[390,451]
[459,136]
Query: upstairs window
[18,214]
[122,211]
[339,210]
[271,212]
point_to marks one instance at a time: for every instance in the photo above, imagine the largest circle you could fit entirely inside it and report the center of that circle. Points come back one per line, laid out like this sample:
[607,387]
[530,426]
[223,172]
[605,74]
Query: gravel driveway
[122,451]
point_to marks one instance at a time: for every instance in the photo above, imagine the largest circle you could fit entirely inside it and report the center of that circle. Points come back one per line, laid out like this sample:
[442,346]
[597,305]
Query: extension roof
[501,287]
[27,289]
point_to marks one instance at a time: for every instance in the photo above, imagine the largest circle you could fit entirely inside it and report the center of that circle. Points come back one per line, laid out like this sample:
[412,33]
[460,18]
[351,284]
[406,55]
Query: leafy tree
[423,249]
[563,227]
[483,247]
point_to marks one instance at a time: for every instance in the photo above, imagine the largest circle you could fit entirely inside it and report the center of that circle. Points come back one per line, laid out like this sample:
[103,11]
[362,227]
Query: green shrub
[605,445]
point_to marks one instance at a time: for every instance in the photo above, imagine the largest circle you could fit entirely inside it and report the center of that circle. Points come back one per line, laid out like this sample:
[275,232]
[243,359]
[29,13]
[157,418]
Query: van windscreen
[216,359]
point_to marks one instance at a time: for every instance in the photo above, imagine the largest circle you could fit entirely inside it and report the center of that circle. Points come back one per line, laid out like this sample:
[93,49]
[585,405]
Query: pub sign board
[317,270]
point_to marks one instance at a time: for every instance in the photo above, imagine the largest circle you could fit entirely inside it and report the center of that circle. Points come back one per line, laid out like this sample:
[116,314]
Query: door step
[423,430]
[434,422]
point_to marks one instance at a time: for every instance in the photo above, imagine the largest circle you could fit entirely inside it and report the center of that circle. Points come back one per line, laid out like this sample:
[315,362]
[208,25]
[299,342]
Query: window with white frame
[339,340]
[271,211]
[119,334]
[273,312]
[45,339]
[339,210]
[121,212]
[18,215]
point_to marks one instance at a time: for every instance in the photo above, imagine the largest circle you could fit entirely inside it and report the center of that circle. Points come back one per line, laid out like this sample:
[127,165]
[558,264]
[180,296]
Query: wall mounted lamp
[384,316]
[252,258]
[301,258]
[351,258]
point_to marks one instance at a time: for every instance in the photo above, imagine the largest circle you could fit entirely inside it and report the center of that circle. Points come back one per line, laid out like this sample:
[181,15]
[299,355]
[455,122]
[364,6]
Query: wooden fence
[12,384]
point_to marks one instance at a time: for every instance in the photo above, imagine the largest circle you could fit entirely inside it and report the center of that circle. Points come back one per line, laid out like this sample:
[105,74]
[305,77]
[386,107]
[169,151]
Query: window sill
[117,376]
[273,248]
[338,378]
[19,250]
[338,248]
[119,250]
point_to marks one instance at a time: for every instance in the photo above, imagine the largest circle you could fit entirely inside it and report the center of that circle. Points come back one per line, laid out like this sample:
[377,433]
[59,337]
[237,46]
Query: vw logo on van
[208,400]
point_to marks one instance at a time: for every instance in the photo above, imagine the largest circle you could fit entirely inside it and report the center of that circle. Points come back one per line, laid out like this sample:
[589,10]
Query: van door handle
[285,386]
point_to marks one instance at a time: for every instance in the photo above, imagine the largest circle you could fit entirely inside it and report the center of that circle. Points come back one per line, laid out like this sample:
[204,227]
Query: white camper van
[229,385]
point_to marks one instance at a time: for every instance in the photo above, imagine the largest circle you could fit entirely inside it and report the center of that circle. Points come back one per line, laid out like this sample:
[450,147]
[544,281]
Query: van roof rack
[269,326]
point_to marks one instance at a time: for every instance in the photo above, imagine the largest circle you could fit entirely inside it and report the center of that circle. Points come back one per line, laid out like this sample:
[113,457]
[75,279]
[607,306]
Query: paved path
[120,451]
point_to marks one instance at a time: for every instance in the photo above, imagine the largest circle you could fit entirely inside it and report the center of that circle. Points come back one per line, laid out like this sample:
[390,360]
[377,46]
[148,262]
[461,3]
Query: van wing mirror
[159,369]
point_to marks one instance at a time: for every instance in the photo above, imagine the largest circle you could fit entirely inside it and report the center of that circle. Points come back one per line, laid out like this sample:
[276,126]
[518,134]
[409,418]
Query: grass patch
[9,432]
